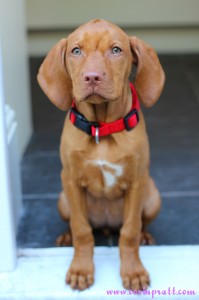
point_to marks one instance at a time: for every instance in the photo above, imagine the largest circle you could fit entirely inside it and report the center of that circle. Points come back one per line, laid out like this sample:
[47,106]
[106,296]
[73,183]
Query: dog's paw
[137,279]
[146,239]
[64,240]
[80,275]
[79,281]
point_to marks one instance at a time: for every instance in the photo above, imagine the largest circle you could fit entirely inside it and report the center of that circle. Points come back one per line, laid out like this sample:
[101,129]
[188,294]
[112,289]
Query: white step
[40,274]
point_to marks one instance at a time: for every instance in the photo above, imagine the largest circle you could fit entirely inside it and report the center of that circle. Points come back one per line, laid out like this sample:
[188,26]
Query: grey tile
[40,224]
[177,172]
[174,154]
[41,173]
[178,222]
[46,141]
[172,125]
[46,116]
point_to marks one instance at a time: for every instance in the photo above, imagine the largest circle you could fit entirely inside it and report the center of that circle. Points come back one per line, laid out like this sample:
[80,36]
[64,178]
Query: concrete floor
[40,275]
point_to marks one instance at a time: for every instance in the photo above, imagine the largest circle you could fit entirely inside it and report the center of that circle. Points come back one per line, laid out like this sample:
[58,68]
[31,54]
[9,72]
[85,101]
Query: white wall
[170,26]
[15,66]
[64,13]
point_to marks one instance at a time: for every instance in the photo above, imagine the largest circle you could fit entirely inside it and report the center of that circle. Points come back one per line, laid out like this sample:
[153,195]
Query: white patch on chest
[109,170]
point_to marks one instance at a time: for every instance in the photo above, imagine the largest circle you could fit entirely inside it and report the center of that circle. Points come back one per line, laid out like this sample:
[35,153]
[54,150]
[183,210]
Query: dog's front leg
[133,273]
[81,272]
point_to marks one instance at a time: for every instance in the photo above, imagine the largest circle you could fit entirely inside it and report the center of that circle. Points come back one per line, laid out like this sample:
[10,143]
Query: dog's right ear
[53,77]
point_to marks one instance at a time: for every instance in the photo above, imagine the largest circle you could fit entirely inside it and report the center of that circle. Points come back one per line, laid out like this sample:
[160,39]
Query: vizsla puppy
[104,144]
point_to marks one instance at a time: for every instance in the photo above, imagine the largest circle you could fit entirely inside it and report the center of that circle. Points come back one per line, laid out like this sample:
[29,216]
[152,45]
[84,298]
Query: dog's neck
[107,111]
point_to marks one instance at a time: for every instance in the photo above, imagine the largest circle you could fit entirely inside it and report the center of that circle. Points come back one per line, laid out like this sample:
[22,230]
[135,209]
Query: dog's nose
[92,78]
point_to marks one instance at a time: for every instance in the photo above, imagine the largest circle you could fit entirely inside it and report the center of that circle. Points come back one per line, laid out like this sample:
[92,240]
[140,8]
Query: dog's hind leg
[151,209]
[63,207]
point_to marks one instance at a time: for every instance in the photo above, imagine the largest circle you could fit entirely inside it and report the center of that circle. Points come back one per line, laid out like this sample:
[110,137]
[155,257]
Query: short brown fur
[128,198]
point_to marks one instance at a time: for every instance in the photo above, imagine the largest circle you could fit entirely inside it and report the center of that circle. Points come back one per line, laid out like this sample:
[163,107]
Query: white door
[7,231]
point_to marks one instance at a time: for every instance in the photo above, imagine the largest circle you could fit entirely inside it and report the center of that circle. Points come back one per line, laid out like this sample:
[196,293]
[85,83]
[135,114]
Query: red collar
[101,129]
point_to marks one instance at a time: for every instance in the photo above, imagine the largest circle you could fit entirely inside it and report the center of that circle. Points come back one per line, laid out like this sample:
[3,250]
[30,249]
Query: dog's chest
[103,170]
[110,172]
[104,178]
[105,182]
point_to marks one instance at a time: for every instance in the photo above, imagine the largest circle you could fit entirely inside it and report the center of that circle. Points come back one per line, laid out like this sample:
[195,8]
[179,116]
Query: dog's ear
[150,76]
[53,77]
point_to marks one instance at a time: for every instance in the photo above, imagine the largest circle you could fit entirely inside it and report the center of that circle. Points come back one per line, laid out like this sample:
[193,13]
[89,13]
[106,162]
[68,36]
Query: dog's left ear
[150,76]
[53,77]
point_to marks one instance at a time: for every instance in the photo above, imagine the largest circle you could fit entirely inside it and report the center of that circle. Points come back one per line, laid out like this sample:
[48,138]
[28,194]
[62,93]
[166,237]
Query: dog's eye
[76,51]
[116,50]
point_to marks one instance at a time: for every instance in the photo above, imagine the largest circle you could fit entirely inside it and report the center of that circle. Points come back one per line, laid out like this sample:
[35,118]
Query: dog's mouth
[96,98]
[95,95]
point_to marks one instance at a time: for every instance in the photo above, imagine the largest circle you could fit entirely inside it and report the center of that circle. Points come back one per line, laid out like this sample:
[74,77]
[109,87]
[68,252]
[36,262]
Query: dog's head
[94,63]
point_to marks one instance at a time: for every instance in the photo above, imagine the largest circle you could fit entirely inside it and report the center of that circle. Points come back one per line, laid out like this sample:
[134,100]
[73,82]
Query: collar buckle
[80,121]
[132,113]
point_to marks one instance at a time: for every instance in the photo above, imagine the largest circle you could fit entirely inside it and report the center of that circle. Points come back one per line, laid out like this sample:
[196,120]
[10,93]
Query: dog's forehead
[98,31]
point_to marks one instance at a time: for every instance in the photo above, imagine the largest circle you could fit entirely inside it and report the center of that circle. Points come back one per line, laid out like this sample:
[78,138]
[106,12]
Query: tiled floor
[173,127]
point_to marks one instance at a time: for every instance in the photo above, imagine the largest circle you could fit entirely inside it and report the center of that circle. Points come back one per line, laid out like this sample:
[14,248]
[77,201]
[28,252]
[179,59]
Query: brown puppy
[105,182]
